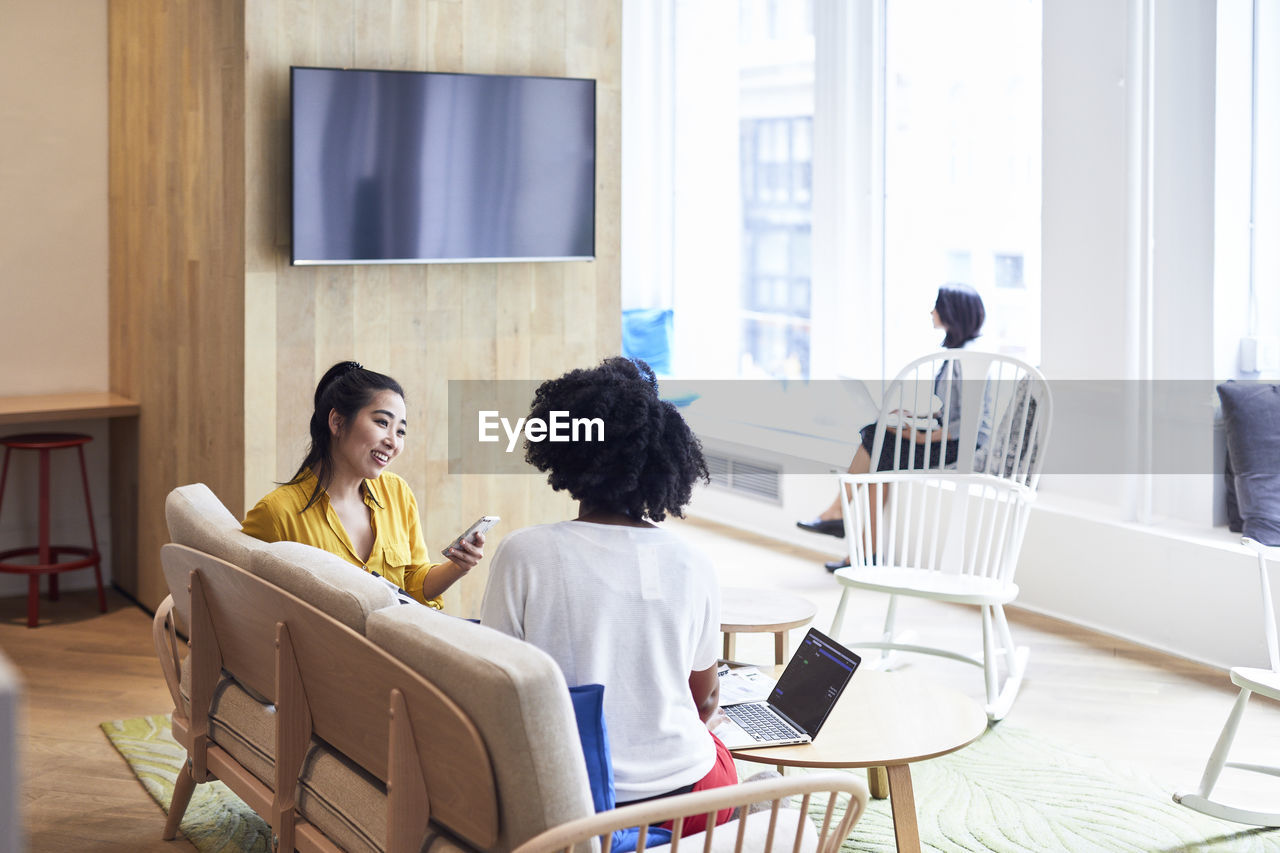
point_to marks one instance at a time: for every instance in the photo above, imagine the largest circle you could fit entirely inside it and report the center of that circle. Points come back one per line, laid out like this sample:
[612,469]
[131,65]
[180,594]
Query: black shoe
[831,527]
[834,565]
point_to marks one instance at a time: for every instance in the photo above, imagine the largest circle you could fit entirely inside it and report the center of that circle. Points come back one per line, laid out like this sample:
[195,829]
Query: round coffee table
[744,611]
[885,721]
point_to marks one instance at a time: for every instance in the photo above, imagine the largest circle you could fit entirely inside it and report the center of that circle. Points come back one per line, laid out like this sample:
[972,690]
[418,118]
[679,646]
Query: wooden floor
[1098,694]
[81,668]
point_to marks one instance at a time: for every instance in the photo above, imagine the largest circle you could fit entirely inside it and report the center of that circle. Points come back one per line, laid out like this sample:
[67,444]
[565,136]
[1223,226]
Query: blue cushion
[646,335]
[1251,414]
[588,709]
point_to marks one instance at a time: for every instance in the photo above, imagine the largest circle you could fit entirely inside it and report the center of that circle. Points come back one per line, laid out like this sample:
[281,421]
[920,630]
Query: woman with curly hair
[614,599]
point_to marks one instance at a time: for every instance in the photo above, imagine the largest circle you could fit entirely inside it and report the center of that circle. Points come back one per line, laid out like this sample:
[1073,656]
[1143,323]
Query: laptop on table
[800,702]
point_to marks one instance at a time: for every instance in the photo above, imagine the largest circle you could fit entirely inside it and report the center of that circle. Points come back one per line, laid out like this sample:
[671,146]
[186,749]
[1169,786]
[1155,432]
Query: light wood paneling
[427,324]
[176,176]
[222,341]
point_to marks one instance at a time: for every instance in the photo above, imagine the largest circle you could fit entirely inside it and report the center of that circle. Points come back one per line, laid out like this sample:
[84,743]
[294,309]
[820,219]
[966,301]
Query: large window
[962,169]
[775,156]
[777,217]
[775,262]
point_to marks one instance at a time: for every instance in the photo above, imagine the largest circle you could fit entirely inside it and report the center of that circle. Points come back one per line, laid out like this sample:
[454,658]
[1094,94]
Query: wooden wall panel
[424,324]
[177,262]
[222,340]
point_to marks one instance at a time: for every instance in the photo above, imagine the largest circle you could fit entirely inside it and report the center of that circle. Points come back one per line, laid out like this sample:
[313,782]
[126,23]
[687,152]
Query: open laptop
[800,702]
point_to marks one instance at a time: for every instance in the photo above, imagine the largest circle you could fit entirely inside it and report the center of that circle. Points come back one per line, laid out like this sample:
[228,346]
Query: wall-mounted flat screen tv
[400,167]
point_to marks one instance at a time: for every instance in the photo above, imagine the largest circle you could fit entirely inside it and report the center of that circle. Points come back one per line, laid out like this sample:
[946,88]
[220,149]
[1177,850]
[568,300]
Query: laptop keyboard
[759,723]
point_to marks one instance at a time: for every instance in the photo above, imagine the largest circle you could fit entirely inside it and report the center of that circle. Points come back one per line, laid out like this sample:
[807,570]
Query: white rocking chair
[1250,680]
[948,526]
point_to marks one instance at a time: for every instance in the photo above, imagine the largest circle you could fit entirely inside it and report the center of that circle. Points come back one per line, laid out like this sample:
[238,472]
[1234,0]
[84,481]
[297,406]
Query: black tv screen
[425,167]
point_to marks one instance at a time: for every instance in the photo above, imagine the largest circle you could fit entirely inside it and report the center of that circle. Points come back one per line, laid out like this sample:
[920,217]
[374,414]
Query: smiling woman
[343,499]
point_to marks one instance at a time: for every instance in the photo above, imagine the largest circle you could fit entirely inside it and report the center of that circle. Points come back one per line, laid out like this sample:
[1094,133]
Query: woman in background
[615,599]
[959,312]
[343,500]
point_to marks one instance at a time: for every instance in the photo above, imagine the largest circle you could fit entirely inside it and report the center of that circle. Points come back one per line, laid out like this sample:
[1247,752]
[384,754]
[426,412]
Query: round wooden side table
[885,721]
[745,611]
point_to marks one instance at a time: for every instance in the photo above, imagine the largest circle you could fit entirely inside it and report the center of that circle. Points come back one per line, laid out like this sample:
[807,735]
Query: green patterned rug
[1009,792]
[1012,791]
[216,820]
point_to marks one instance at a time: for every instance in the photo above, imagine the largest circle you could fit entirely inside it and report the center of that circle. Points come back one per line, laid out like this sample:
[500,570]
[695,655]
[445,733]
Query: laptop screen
[813,681]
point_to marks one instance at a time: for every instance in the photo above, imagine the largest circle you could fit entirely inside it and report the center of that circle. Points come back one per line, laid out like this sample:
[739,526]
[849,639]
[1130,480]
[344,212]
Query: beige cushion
[341,800]
[198,520]
[517,698]
[323,580]
[239,723]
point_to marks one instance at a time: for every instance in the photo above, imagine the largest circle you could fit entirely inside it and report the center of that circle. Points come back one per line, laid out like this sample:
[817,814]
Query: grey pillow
[1251,414]
[1234,522]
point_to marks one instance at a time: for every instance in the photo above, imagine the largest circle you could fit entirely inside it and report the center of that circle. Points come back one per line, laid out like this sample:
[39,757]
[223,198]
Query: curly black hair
[649,459]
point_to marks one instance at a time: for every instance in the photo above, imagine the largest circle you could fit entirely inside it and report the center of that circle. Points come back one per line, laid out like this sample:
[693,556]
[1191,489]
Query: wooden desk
[884,722]
[765,611]
[65,407]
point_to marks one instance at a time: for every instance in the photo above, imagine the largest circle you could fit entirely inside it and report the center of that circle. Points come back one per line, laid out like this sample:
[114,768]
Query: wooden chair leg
[183,786]
[878,782]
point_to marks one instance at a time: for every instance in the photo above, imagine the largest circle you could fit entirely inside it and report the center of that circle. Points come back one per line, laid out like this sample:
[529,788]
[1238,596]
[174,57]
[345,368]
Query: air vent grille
[744,477]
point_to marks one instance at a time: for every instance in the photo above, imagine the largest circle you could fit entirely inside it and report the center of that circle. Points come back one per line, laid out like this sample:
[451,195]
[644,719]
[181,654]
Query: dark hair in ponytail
[345,388]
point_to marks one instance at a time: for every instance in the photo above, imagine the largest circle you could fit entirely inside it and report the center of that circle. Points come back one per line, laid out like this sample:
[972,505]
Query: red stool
[46,554]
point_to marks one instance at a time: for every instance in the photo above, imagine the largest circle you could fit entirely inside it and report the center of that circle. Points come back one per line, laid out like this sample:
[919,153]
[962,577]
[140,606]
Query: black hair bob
[960,310]
[649,459]
[346,388]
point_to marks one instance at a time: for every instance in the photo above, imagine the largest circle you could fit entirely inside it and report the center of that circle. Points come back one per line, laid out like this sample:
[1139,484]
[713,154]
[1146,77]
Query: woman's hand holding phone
[468,549]
[465,555]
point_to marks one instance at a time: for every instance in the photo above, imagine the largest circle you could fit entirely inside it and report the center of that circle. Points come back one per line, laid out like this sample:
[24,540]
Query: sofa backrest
[516,696]
[330,683]
[325,581]
[197,518]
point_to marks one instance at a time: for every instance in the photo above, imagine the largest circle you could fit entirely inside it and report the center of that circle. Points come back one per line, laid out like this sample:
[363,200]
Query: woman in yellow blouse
[343,499]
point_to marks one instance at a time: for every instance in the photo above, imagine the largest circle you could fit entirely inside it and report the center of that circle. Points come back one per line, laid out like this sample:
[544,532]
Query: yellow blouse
[399,552]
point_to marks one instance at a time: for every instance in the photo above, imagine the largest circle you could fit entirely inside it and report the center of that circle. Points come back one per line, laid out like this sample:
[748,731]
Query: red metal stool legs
[47,554]
[93,532]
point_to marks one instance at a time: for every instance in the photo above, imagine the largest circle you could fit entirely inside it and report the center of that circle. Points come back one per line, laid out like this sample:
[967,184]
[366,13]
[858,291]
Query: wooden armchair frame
[838,817]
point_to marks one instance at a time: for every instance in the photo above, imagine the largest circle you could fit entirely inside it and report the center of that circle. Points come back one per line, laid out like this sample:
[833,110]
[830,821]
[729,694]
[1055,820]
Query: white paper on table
[743,684]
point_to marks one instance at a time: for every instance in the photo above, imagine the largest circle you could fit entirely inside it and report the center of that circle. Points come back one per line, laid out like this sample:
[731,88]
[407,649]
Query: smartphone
[482,525]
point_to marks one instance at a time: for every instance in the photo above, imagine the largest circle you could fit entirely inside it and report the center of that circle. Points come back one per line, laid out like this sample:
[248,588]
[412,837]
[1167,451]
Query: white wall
[53,250]
[53,196]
